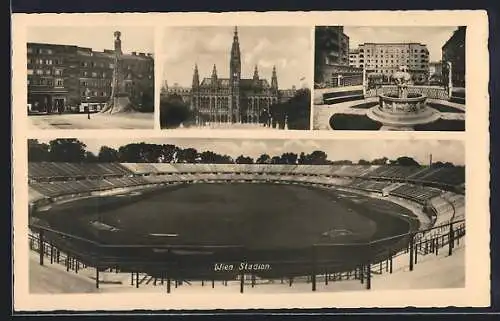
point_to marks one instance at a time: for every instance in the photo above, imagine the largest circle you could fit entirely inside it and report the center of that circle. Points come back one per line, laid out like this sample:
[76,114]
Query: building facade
[354,59]
[453,51]
[383,59]
[331,49]
[63,78]
[435,72]
[234,99]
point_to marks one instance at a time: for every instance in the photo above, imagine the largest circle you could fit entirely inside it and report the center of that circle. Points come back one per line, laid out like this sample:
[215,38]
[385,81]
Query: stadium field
[257,216]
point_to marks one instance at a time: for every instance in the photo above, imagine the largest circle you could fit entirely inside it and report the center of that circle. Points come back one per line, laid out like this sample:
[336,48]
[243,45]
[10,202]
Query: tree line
[75,151]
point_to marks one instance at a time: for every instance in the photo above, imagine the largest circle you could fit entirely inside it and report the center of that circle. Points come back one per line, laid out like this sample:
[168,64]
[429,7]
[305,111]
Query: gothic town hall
[235,99]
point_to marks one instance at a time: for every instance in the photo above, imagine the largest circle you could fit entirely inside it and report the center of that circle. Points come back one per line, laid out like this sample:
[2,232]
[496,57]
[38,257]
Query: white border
[476,292]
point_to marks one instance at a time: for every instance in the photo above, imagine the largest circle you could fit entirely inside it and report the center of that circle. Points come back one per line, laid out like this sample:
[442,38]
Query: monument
[119,101]
[402,110]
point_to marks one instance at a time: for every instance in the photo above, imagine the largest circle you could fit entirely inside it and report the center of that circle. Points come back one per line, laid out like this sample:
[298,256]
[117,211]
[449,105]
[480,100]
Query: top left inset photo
[98,77]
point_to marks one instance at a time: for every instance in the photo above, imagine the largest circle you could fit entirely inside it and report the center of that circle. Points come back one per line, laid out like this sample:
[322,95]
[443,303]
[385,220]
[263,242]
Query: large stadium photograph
[201,216]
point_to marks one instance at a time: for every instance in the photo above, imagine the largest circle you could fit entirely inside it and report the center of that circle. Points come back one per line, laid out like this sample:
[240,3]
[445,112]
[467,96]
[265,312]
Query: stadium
[159,225]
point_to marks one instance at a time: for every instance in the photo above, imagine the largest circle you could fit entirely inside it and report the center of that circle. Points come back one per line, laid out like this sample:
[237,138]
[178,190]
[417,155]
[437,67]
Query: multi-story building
[436,72]
[68,78]
[453,51]
[354,59]
[331,49]
[386,58]
[234,99]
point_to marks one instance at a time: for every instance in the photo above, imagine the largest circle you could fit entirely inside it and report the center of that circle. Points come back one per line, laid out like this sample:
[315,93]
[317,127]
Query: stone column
[364,82]
[450,78]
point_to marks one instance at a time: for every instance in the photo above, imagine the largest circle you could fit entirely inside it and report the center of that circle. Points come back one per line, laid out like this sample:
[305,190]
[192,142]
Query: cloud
[287,48]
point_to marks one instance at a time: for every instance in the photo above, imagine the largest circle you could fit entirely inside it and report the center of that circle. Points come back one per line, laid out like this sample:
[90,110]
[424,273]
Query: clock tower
[234,79]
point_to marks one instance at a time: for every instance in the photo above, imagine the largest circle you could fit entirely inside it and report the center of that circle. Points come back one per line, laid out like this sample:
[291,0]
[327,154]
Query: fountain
[402,111]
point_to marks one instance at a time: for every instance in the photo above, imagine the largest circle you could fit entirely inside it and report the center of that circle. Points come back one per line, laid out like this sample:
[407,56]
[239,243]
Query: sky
[433,37]
[134,38]
[289,48]
[441,150]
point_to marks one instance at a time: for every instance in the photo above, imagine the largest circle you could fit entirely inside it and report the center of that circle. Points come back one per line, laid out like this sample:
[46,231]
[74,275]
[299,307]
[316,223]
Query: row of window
[99,83]
[47,82]
[129,66]
[392,50]
[383,71]
[42,51]
[95,74]
[40,61]
[46,72]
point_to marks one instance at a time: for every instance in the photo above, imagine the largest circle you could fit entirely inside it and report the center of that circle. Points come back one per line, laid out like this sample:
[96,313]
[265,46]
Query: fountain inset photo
[389,78]
[90,77]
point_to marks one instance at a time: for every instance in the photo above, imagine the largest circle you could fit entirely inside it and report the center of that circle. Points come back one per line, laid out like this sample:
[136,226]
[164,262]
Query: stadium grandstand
[434,194]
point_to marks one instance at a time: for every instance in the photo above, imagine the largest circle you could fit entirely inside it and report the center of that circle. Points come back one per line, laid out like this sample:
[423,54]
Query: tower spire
[256,73]
[274,79]
[214,72]
[196,77]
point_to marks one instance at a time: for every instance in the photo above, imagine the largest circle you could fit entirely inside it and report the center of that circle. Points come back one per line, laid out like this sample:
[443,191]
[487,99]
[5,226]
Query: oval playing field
[202,222]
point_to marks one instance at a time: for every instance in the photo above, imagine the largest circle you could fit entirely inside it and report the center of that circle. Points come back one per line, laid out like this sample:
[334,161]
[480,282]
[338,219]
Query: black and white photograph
[389,78]
[205,216]
[98,77]
[248,77]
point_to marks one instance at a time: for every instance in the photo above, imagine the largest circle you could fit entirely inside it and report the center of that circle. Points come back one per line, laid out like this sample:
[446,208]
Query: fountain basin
[398,113]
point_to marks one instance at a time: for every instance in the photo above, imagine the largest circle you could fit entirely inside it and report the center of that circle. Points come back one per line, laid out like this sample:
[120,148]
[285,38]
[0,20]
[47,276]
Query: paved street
[96,121]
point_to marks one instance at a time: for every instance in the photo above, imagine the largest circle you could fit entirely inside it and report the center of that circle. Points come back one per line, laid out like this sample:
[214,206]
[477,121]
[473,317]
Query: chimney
[142,54]
[134,53]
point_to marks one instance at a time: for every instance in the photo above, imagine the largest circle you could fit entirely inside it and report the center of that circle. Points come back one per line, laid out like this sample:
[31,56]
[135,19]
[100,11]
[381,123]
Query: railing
[429,92]
[375,257]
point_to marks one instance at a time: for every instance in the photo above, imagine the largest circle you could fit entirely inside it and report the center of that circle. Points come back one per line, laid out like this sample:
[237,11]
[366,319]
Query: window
[30,50]
[39,72]
[94,74]
[30,71]
[59,82]
[57,72]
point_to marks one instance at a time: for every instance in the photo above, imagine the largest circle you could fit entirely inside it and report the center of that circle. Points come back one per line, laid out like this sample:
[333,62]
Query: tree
[130,153]
[318,158]
[406,161]
[275,160]
[303,159]
[244,160]
[379,161]
[67,150]
[298,110]
[187,155]
[208,157]
[90,157]
[263,159]
[38,152]
[277,112]
[289,158]
[174,111]
[363,162]
[107,154]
